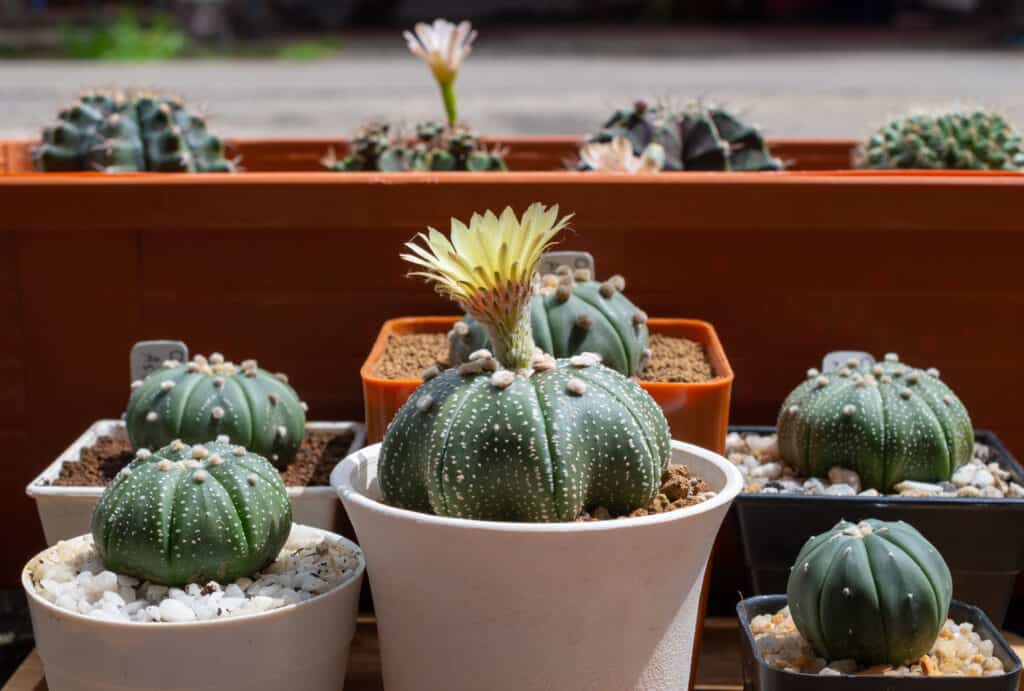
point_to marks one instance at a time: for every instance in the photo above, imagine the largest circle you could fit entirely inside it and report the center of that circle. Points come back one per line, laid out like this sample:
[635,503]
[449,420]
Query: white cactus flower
[617,156]
[443,46]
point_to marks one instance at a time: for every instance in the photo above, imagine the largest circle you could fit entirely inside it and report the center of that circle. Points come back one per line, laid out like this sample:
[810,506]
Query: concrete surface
[549,82]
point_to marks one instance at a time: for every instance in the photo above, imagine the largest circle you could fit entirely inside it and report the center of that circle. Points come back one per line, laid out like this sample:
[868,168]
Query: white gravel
[764,471]
[72,577]
[958,651]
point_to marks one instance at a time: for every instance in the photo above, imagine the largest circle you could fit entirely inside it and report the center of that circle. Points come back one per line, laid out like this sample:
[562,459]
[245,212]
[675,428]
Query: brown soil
[673,359]
[678,490]
[321,450]
[407,355]
[677,360]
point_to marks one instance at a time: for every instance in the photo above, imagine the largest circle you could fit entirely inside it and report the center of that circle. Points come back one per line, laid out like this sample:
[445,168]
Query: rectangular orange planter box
[696,413]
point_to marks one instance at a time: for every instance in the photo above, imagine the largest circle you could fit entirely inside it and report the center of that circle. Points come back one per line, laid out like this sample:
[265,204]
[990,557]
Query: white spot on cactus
[468,368]
[151,416]
[282,377]
[461,328]
[218,382]
[238,450]
[250,364]
[543,362]
[274,457]
[200,476]
[847,592]
[281,431]
[585,360]
[166,385]
[606,289]
[576,386]
[216,359]
[215,459]
[794,409]
[892,357]
[640,317]
[584,321]
[906,393]
[199,452]
[849,409]
[252,478]
[812,373]
[169,364]
[582,274]
[304,406]
[143,453]
[913,378]
[217,412]
[177,445]
[223,439]
[272,397]
[898,372]
[164,465]
[933,372]
[617,282]
[563,293]
[910,596]
[431,372]
[136,384]
[503,378]
[947,399]
[885,379]
[807,566]
[821,381]
[853,362]
[424,402]
[482,354]
[878,370]
[844,372]
[193,367]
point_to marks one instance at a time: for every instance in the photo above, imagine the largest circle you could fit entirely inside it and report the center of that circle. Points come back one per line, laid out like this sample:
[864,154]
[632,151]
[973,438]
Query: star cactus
[516,435]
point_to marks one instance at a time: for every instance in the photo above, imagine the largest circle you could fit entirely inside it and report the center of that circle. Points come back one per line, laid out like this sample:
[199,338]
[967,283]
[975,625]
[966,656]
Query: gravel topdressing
[72,577]
[958,652]
[764,471]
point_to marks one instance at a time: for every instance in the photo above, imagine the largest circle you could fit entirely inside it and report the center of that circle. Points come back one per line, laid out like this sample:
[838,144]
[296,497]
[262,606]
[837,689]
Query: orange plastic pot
[696,413]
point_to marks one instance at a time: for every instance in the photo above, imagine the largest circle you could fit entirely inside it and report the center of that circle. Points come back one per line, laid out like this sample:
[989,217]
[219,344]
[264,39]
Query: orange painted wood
[300,269]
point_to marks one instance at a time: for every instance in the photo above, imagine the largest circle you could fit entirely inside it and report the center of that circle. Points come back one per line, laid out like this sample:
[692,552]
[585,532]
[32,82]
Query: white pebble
[175,610]
[839,475]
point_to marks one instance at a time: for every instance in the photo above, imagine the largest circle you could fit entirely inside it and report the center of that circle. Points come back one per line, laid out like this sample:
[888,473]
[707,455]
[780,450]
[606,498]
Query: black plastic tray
[982,539]
[759,676]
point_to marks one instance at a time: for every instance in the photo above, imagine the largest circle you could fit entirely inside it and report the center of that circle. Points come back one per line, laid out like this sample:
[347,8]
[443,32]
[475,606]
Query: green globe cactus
[697,137]
[202,399]
[518,435]
[434,148]
[887,421]
[952,140]
[571,314]
[124,132]
[187,514]
[874,592]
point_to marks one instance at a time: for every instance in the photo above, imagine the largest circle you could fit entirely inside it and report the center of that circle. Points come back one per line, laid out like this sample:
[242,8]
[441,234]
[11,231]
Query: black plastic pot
[982,539]
[759,676]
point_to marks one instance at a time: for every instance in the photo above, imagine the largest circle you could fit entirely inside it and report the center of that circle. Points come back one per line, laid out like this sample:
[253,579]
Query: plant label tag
[148,356]
[840,358]
[550,261]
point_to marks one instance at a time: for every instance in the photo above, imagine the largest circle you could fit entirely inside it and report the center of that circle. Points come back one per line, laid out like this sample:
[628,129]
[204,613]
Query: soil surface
[673,359]
[321,450]
[678,490]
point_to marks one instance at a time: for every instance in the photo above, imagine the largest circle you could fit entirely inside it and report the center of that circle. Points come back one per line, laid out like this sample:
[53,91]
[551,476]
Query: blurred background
[301,67]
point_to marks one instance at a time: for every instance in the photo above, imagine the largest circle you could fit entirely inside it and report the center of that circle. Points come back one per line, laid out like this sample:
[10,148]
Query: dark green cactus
[205,398]
[953,140]
[888,421]
[517,436]
[874,592]
[573,314]
[697,137]
[434,148]
[187,514]
[125,132]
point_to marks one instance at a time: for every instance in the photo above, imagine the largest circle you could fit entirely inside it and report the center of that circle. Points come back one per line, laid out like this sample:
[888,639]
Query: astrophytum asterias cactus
[188,514]
[201,399]
[887,421]
[517,435]
[874,592]
[571,314]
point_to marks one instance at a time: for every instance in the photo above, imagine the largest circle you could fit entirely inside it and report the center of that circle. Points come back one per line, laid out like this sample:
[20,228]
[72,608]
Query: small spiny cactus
[874,592]
[887,421]
[187,514]
[952,140]
[125,132]
[433,148]
[516,435]
[571,314]
[697,137]
[204,398]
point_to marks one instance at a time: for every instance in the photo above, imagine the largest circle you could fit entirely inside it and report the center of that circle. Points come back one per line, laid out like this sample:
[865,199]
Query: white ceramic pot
[67,511]
[303,646]
[467,605]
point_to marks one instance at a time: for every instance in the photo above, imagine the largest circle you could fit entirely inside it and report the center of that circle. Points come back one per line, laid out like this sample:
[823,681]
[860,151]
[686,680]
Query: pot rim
[341,480]
[353,578]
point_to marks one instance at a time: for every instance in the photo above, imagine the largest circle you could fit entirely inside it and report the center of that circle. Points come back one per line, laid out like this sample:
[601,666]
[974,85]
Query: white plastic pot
[303,646]
[466,605]
[67,511]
